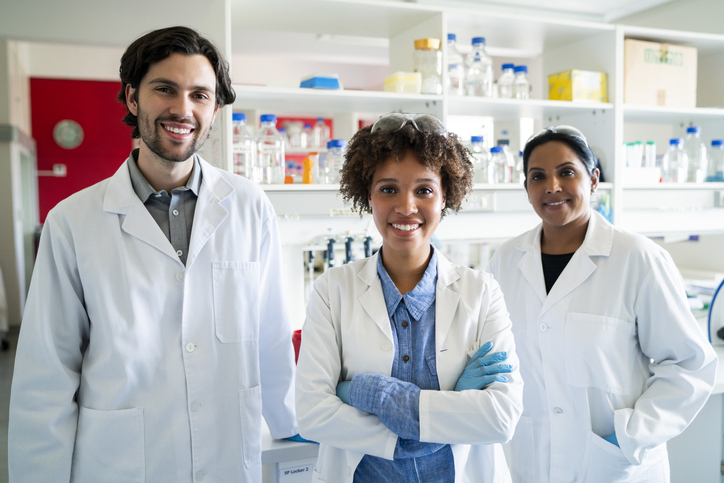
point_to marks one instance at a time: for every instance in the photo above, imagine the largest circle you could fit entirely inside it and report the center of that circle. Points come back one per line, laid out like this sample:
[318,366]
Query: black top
[553,266]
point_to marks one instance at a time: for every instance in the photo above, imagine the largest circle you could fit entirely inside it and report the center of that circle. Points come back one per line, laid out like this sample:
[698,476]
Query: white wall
[689,15]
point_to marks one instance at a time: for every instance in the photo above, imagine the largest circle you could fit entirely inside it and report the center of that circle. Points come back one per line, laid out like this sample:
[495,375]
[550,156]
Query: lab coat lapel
[122,199]
[446,300]
[372,299]
[598,242]
[209,213]
[530,264]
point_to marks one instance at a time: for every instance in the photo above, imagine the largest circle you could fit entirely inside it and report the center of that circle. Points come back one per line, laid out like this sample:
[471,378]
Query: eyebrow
[395,180]
[559,166]
[171,83]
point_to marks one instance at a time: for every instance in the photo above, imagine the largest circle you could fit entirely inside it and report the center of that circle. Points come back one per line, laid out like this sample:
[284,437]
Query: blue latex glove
[299,439]
[484,369]
[343,391]
[611,438]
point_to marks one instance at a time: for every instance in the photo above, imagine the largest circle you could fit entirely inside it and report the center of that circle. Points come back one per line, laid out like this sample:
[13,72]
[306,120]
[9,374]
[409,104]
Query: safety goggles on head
[425,123]
[562,129]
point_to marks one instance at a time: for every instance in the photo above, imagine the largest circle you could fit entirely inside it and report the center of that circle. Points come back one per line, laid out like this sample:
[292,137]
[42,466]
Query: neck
[405,269]
[558,240]
[162,174]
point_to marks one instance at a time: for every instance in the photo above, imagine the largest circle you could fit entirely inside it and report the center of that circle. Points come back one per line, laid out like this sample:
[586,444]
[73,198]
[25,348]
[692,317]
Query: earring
[593,190]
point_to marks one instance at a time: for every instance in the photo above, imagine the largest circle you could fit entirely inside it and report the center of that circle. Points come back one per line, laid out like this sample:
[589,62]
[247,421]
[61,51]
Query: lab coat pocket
[236,301]
[109,446]
[523,453]
[250,410]
[605,462]
[597,352]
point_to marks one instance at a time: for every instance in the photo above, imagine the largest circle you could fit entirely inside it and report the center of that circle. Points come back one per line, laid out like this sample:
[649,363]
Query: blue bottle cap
[307,125]
[320,119]
[478,40]
[496,149]
[508,66]
[451,37]
[521,68]
[693,130]
[675,141]
[717,142]
[476,139]
[268,118]
[337,143]
[238,116]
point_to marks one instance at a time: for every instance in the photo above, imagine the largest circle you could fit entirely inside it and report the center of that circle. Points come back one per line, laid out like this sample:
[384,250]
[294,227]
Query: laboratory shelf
[669,115]
[297,100]
[675,187]
[503,109]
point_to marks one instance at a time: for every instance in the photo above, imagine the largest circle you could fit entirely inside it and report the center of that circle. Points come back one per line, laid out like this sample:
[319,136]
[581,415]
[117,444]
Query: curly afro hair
[367,150]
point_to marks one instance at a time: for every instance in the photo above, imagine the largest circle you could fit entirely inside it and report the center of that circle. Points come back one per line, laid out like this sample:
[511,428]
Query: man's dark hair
[156,46]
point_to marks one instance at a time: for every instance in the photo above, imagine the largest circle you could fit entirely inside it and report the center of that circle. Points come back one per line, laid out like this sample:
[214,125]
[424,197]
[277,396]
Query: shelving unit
[547,46]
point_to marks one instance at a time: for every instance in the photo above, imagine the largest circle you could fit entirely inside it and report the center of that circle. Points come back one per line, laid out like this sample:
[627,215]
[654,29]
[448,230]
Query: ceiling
[118,23]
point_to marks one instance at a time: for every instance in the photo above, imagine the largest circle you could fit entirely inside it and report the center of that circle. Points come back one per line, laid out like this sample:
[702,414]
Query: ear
[131,100]
[594,178]
[216,111]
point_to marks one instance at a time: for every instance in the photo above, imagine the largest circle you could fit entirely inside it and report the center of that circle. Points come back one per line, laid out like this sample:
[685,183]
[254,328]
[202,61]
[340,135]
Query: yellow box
[403,82]
[657,74]
[578,85]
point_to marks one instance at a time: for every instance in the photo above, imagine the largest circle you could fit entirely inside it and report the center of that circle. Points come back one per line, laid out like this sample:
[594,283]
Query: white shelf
[675,187]
[505,109]
[670,115]
[290,100]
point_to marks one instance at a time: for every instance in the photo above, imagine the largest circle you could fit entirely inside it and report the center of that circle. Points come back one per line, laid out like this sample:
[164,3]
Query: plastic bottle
[497,166]
[479,70]
[519,174]
[428,62]
[455,82]
[716,161]
[521,86]
[505,82]
[320,134]
[334,161]
[675,163]
[244,146]
[307,135]
[650,154]
[481,158]
[509,161]
[696,152]
[269,167]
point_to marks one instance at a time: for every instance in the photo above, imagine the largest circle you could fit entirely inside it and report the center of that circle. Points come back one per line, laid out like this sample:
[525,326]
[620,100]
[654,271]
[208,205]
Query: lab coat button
[557,410]
[386,346]
[190,347]
[179,252]
[200,475]
[175,212]
[180,276]
[543,327]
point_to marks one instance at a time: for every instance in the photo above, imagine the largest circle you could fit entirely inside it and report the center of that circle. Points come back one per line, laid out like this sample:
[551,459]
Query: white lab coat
[347,332]
[134,367]
[586,353]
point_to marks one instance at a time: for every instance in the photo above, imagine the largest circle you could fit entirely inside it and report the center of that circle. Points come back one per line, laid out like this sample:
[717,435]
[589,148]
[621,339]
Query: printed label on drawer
[292,475]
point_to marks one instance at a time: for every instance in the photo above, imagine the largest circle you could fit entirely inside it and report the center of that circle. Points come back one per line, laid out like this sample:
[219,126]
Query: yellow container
[403,82]
[578,85]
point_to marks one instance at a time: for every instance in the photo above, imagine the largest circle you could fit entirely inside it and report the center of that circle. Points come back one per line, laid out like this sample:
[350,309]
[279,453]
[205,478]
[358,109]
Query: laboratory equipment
[696,153]
[716,161]
[481,158]
[330,253]
[269,167]
[479,70]
[348,250]
[320,133]
[311,168]
[509,160]
[505,82]
[244,146]
[428,62]
[521,86]
[334,160]
[368,246]
[497,165]
[455,81]
[650,154]
[675,164]
[519,173]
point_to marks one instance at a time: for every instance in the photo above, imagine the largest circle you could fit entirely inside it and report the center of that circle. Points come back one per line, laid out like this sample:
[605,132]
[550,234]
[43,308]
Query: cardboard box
[578,85]
[658,74]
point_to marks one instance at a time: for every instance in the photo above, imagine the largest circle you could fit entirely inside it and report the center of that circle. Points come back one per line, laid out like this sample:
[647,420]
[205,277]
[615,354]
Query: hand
[483,369]
[611,438]
[343,391]
[299,439]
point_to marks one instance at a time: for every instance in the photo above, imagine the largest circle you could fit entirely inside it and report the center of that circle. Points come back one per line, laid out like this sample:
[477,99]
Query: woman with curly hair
[396,377]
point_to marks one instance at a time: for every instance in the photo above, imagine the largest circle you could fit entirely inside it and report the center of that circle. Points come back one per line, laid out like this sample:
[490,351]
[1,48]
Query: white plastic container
[269,167]
[675,163]
[505,82]
[320,134]
[428,62]
[650,154]
[521,86]
[696,152]
[455,82]
[498,166]
[334,160]
[479,70]
[510,161]
[481,158]
[244,146]
[716,161]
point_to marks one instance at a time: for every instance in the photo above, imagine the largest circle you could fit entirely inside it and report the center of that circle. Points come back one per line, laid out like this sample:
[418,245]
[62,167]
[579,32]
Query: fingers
[484,349]
[489,370]
[488,359]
